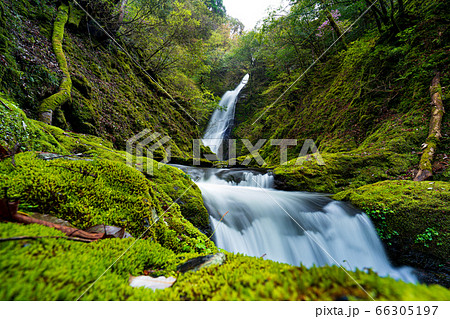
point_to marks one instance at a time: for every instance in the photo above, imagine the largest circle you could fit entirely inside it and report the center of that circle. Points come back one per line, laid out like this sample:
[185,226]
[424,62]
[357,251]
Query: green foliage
[216,6]
[379,217]
[428,237]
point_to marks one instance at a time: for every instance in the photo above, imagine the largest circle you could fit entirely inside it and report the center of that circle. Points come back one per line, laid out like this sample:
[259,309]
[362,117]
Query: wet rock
[52,156]
[110,231]
[152,283]
[202,262]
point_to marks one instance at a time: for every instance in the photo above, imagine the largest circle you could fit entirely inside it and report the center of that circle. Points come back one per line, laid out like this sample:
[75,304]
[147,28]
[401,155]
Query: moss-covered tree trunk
[50,104]
[426,162]
[122,11]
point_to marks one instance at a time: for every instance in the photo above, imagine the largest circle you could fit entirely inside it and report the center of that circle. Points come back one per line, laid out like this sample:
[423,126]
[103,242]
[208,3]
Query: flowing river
[249,216]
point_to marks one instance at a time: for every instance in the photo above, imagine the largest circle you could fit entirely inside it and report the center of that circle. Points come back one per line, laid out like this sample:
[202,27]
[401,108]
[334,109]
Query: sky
[249,12]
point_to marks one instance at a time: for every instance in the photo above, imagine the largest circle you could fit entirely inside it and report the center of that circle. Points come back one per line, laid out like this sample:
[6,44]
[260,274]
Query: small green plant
[379,218]
[427,237]
[201,246]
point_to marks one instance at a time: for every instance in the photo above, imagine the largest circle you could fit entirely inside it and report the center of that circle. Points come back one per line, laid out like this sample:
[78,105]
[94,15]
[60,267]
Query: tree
[216,6]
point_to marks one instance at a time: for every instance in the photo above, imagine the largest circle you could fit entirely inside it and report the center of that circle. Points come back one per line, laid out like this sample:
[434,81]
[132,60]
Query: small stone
[152,283]
[110,231]
[202,262]
[431,188]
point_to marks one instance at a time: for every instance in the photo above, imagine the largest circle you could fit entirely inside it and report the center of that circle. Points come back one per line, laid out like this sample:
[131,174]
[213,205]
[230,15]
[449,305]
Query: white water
[222,118]
[289,227]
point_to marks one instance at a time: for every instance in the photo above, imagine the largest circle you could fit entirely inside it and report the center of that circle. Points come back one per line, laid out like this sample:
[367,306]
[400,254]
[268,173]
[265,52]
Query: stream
[249,216]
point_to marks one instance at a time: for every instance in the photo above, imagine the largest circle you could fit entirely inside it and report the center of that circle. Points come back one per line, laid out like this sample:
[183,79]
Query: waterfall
[222,118]
[289,227]
[249,216]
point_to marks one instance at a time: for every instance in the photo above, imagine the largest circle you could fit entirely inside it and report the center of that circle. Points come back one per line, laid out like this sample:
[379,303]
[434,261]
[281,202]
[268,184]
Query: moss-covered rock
[342,170]
[41,181]
[89,192]
[17,128]
[187,195]
[57,269]
[412,219]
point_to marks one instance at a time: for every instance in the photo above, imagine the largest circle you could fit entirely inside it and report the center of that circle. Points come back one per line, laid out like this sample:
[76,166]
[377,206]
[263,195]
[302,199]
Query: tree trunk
[335,26]
[401,7]
[394,23]
[122,11]
[426,162]
[377,21]
[50,104]
[384,15]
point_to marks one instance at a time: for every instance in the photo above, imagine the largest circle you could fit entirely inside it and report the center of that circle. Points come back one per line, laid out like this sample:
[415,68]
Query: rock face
[202,262]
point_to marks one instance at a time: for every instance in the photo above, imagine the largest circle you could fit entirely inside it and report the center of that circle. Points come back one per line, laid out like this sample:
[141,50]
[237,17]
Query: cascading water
[222,119]
[289,227]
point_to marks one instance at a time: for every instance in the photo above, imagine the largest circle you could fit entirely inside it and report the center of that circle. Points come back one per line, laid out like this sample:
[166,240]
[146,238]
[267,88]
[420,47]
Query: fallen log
[434,134]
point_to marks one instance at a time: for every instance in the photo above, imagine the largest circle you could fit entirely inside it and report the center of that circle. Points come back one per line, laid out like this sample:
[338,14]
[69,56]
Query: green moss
[83,192]
[248,278]
[91,192]
[57,269]
[186,193]
[75,15]
[343,170]
[427,156]
[52,269]
[54,101]
[407,209]
[15,128]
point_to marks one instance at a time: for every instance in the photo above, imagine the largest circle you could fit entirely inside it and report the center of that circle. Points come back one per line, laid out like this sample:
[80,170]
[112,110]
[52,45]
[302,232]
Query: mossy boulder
[412,219]
[57,269]
[342,170]
[89,192]
[17,128]
[186,194]
[165,186]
